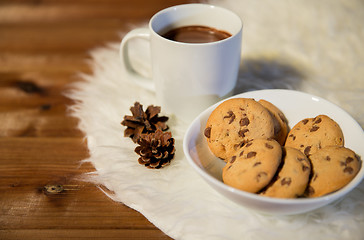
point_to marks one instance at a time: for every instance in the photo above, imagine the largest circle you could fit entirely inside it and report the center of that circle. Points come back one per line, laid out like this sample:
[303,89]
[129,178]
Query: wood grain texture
[44,44]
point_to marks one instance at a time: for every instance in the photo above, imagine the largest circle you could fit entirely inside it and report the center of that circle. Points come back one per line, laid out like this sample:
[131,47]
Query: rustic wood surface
[43,45]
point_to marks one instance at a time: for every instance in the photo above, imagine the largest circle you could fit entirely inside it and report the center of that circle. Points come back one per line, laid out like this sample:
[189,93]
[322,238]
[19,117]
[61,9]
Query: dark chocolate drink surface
[196,34]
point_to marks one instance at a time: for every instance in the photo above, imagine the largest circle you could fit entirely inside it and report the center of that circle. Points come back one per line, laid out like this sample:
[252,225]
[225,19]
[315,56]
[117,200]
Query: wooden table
[43,45]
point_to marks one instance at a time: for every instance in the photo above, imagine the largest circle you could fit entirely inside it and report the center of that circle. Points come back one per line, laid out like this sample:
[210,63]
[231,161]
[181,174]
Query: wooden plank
[121,234]
[68,10]
[34,150]
[64,38]
[70,26]
[30,206]
[33,104]
[34,123]
[16,63]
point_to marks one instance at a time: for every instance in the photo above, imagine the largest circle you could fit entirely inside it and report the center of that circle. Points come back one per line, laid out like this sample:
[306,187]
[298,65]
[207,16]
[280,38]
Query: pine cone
[143,122]
[156,150]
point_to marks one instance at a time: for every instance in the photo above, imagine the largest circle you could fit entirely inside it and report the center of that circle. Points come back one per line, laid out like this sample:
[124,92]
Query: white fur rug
[312,46]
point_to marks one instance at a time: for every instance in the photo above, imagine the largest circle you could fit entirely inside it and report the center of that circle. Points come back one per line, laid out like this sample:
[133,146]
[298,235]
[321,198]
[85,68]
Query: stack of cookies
[264,156]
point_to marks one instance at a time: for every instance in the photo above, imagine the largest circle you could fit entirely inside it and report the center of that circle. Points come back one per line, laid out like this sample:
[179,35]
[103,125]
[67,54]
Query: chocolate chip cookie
[280,121]
[312,134]
[292,177]
[253,166]
[332,168]
[235,122]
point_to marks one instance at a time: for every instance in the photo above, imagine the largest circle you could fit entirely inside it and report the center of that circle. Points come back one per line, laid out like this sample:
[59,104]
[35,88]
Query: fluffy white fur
[312,46]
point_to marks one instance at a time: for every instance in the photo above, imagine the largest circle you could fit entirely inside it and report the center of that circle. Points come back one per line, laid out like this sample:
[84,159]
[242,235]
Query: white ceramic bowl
[296,106]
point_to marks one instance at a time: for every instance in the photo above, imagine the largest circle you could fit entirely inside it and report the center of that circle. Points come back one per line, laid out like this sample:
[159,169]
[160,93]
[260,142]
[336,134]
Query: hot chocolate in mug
[195,57]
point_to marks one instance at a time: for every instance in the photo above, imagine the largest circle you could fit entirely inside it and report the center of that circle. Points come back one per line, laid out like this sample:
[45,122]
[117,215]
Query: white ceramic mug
[189,77]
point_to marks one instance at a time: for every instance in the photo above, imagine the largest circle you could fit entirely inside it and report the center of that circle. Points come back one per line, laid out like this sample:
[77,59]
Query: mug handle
[125,60]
